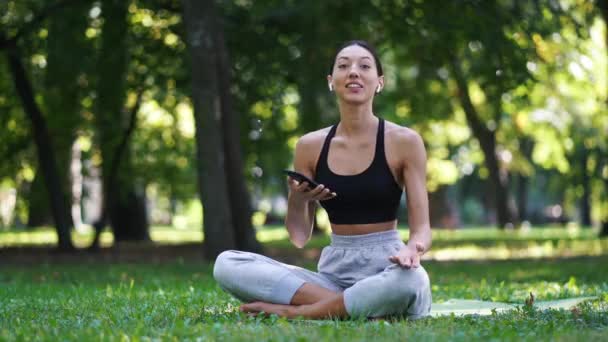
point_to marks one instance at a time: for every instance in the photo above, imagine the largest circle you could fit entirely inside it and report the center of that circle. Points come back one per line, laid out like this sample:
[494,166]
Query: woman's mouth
[354,85]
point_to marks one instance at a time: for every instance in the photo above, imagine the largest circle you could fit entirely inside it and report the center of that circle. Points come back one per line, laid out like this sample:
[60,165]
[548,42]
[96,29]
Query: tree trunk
[77,185]
[604,222]
[309,83]
[61,91]
[586,183]
[39,211]
[309,106]
[46,156]
[487,141]
[603,5]
[238,194]
[522,197]
[128,216]
[124,201]
[526,145]
[107,207]
[604,205]
[442,213]
[199,16]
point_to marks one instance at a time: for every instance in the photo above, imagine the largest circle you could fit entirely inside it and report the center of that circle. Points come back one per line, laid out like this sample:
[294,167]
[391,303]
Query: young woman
[362,165]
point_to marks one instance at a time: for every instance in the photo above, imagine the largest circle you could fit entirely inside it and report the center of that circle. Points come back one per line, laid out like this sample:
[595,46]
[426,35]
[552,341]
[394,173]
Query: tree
[46,155]
[238,194]
[476,53]
[62,91]
[603,7]
[124,200]
[208,59]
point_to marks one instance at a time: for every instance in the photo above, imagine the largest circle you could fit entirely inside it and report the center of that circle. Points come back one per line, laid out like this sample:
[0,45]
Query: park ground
[164,290]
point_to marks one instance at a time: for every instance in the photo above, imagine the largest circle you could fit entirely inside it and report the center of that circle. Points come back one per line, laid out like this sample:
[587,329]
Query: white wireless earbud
[378,90]
[331,88]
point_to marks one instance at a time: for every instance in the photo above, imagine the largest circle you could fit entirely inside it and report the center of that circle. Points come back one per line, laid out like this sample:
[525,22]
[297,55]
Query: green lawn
[180,300]
[90,299]
[466,243]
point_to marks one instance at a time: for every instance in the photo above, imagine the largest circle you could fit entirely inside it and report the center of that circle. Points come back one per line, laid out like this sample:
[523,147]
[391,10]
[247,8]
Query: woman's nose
[353,73]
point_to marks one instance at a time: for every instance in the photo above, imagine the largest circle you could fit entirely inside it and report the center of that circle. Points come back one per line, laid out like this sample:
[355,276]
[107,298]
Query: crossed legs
[310,301]
[289,291]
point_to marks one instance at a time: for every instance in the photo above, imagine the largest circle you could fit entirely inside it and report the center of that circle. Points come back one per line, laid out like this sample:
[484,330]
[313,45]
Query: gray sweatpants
[357,265]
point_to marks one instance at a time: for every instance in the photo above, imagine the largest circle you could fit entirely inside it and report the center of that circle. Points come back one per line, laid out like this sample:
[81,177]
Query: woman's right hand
[301,193]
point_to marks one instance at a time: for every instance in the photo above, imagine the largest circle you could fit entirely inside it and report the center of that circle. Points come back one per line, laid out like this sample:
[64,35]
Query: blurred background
[170,121]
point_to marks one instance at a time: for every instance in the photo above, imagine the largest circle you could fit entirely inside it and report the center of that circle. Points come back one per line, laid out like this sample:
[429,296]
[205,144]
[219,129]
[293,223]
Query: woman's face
[355,76]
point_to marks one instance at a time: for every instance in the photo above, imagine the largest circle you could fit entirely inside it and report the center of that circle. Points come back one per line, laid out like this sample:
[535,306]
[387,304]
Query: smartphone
[301,178]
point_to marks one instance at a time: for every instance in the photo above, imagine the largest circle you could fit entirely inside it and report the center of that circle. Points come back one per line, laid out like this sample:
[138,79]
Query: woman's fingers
[319,193]
[302,186]
[325,194]
[398,259]
[416,261]
[294,185]
[329,195]
[407,261]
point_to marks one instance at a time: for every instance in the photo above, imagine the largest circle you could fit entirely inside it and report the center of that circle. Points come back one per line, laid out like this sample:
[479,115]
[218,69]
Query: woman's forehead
[354,52]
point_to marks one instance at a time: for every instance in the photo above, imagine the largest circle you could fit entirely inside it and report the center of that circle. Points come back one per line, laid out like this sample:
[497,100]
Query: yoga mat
[479,307]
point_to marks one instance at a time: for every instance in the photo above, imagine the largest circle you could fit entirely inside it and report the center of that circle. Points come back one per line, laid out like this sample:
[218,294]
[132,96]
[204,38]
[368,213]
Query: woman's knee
[224,266]
[397,290]
[413,287]
[410,282]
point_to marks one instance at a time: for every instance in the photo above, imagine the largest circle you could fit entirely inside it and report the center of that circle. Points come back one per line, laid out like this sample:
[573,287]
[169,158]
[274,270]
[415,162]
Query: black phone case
[301,178]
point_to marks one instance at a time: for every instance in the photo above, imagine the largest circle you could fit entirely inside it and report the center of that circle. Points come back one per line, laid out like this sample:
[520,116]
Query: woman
[362,165]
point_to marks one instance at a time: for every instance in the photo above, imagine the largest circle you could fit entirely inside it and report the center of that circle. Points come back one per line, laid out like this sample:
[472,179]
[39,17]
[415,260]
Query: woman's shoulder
[314,139]
[308,148]
[401,134]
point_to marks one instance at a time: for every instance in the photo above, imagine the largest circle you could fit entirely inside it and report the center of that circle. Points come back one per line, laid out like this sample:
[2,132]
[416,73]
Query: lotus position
[362,165]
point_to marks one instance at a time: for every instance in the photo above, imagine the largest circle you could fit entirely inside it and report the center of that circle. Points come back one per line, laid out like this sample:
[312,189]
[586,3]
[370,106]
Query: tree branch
[479,129]
[6,42]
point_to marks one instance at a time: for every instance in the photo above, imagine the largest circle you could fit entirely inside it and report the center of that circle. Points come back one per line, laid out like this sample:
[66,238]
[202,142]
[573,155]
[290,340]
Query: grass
[180,300]
[97,300]
[484,243]
[479,243]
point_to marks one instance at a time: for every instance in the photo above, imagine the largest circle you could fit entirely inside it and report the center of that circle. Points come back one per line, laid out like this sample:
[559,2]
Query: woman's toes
[251,307]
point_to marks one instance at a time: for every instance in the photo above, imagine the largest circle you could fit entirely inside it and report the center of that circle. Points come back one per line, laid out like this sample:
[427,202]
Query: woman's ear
[380,84]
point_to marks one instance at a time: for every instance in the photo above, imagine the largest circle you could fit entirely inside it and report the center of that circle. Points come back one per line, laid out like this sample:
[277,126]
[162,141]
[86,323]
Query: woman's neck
[356,119]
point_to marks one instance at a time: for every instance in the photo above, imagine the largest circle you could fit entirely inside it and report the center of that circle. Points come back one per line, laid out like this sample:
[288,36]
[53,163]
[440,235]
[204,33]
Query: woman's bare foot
[277,309]
[332,307]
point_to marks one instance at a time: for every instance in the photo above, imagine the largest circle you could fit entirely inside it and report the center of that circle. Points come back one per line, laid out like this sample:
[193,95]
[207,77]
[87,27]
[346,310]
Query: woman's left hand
[408,256]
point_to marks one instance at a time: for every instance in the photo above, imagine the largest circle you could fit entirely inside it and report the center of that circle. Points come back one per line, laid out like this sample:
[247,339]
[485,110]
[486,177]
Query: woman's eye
[341,66]
[365,66]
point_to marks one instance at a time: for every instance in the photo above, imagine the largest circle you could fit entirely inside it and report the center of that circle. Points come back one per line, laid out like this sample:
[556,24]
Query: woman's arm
[414,175]
[300,216]
[301,202]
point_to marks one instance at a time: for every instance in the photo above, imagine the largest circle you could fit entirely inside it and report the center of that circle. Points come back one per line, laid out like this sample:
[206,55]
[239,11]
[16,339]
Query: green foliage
[521,59]
[180,300]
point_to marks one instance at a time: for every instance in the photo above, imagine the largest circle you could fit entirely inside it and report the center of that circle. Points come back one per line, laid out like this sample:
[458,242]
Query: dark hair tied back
[362,43]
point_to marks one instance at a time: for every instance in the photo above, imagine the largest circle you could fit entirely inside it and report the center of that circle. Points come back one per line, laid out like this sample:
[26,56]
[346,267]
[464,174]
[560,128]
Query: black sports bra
[368,197]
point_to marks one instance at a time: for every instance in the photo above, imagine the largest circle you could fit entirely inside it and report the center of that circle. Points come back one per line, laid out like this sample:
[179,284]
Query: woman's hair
[362,43]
